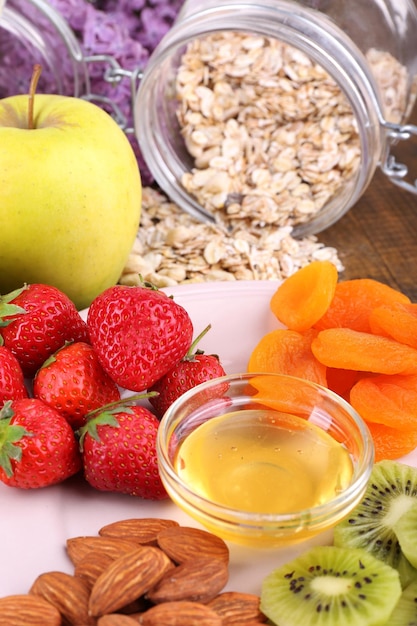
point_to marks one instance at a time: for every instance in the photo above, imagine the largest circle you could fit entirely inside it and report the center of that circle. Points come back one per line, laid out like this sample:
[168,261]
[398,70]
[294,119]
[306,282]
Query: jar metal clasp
[113,73]
[397,172]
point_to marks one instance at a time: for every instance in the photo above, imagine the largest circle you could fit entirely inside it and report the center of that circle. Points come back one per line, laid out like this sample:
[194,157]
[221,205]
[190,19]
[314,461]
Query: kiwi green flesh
[329,586]
[405,612]
[391,493]
[406,531]
[407,572]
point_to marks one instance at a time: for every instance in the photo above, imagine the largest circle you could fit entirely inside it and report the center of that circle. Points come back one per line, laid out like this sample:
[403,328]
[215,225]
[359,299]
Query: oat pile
[172,247]
[273,139]
[272,135]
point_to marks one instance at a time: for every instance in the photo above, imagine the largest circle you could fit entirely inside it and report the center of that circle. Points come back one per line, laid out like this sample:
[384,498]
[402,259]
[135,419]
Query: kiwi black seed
[329,586]
[391,493]
[405,612]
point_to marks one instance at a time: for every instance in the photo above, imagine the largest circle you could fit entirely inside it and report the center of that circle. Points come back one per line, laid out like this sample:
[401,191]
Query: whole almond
[127,578]
[143,530]
[28,610]
[79,547]
[237,608]
[196,580]
[67,593]
[92,566]
[180,614]
[183,543]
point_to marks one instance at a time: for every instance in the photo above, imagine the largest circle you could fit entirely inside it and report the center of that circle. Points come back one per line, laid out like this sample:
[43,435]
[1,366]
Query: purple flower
[73,11]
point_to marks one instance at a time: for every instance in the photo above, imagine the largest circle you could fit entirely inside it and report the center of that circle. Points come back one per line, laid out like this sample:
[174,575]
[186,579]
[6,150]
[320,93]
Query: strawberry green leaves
[105,417]
[9,435]
[8,309]
[37,445]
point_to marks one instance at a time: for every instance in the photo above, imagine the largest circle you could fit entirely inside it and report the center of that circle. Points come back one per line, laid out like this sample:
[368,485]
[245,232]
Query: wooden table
[377,238]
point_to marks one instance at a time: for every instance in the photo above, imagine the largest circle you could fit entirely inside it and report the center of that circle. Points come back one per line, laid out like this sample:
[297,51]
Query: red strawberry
[73,382]
[194,368]
[12,384]
[38,447]
[119,452]
[139,333]
[36,321]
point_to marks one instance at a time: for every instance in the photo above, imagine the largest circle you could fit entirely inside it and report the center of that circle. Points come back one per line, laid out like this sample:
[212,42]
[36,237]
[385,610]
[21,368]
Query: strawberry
[12,384]
[37,445]
[139,333]
[73,382]
[36,321]
[194,368]
[119,452]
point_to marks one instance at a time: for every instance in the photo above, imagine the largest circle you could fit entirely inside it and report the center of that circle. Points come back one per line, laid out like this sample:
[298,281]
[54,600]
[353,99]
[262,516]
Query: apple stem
[37,69]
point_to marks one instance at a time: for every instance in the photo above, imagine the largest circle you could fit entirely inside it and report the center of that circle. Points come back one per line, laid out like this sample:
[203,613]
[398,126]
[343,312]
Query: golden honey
[263,461]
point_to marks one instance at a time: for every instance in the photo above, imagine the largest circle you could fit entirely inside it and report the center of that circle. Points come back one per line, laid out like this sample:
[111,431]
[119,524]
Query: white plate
[35,524]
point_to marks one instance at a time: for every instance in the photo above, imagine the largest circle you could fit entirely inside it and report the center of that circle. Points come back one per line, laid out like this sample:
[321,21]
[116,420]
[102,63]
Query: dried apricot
[289,397]
[397,320]
[389,400]
[353,350]
[284,351]
[304,297]
[391,443]
[353,302]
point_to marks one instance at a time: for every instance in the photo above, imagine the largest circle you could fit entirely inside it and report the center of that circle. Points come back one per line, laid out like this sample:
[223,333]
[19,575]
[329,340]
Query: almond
[67,593]
[237,608]
[28,610]
[127,578]
[197,580]
[79,547]
[180,614]
[183,543]
[142,530]
[92,565]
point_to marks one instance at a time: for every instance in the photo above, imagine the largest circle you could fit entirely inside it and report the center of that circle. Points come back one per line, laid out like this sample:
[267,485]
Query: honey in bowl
[263,461]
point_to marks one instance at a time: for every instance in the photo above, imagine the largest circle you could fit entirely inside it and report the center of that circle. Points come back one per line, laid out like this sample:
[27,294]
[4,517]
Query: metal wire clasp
[397,172]
[114,73]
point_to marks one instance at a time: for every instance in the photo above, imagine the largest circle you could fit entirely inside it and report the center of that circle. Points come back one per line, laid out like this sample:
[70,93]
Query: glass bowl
[264,459]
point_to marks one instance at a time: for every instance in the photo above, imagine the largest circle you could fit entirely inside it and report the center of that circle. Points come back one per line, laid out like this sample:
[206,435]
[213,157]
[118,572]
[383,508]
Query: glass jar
[368,49]
[344,89]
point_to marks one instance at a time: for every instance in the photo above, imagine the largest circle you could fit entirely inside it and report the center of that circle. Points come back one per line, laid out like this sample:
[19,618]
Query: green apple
[70,196]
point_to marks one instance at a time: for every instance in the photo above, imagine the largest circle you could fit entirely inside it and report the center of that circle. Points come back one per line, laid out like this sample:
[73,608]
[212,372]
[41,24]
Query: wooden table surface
[377,238]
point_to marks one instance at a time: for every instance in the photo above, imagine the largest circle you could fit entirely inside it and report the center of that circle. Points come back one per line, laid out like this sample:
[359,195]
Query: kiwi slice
[405,612]
[406,531]
[329,586]
[390,494]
